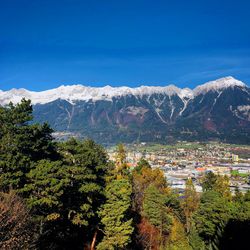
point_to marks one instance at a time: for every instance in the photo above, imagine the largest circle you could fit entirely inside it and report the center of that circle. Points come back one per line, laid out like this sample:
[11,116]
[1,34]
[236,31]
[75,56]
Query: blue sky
[47,43]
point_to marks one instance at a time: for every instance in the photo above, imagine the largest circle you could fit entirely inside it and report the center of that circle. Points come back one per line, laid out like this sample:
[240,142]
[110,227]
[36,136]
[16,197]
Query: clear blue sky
[47,43]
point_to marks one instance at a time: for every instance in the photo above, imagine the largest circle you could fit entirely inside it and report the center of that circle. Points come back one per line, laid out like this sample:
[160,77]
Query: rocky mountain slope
[218,109]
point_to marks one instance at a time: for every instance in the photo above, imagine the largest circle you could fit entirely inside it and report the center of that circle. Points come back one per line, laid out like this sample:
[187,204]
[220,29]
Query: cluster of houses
[181,163]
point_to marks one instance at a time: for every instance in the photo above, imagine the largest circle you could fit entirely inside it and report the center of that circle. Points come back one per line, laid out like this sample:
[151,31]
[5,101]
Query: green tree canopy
[21,144]
[115,217]
[212,216]
[190,203]
[155,211]
[209,181]
[142,163]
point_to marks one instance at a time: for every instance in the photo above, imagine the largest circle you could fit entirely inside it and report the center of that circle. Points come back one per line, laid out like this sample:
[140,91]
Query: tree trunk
[92,247]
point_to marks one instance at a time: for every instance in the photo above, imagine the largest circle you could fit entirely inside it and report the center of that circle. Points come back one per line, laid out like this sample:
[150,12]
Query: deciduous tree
[16,230]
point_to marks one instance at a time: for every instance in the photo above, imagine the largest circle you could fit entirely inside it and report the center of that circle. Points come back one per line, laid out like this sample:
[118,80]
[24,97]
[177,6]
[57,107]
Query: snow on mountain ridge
[78,92]
[225,82]
[73,93]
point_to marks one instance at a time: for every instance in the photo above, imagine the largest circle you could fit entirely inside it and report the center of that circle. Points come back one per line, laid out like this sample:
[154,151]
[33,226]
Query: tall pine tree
[117,224]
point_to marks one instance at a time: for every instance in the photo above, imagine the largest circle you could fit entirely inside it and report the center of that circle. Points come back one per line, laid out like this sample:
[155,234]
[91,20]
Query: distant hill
[217,110]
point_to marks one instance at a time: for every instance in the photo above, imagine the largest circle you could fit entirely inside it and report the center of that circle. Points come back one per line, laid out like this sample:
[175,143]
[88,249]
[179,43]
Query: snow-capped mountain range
[74,93]
[218,109]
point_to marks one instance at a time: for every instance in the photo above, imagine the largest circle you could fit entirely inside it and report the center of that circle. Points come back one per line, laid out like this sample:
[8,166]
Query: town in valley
[185,160]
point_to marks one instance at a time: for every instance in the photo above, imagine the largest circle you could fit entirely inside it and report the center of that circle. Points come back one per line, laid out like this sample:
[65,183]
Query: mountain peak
[221,83]
[79,92]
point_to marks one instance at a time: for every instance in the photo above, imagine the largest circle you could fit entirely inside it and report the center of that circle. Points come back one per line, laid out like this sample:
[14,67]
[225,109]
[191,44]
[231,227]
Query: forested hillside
[68,195]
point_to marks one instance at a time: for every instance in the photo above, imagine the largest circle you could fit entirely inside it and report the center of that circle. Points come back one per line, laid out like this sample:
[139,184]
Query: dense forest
[68,195]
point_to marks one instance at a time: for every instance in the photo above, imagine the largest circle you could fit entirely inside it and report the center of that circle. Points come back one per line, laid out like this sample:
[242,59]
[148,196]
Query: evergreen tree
[177,239]
[66,194]
[174,206]
[190,202]
[155,211]
[87,171]
[114,216]
[236,232]
[143,163]
[209,181]
[120,154]
[45,186]
[238,196]
[195,241]
[212,216]
[21,144]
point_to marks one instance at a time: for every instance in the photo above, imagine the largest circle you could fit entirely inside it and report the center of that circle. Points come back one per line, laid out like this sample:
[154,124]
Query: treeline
[68,195]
